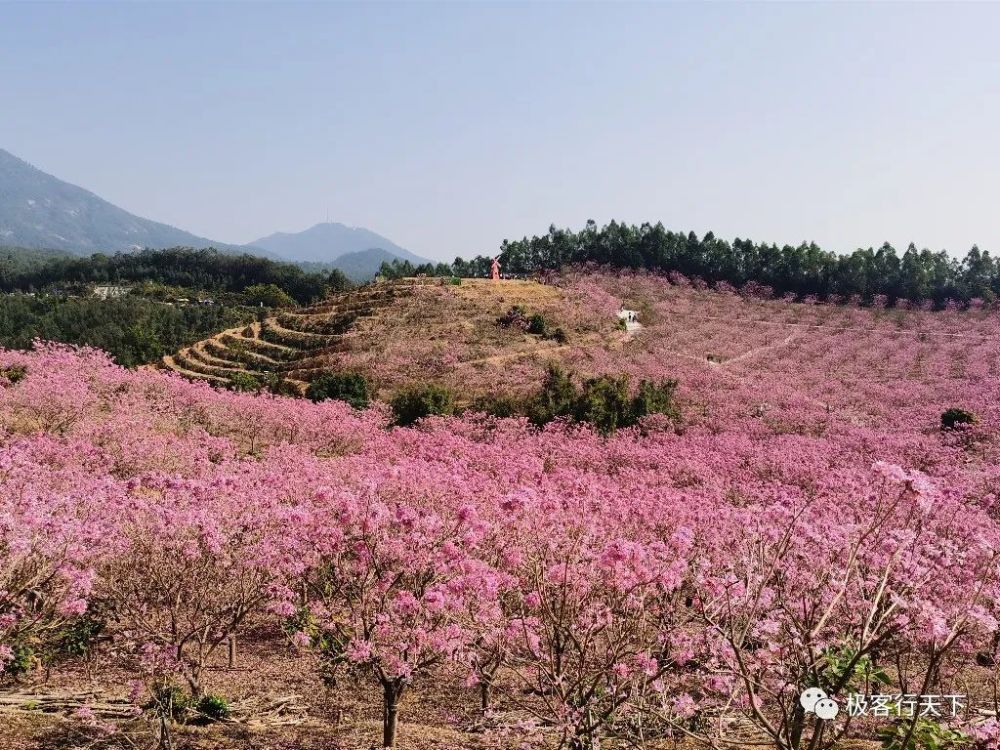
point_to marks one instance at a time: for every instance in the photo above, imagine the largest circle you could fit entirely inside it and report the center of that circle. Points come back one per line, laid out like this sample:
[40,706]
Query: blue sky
[450,127]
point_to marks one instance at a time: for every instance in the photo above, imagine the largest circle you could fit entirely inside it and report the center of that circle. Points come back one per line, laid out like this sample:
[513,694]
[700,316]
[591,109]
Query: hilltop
[405,331]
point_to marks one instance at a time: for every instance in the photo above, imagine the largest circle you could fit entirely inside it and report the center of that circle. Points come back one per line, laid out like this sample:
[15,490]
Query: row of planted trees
[599,615]
[623,589]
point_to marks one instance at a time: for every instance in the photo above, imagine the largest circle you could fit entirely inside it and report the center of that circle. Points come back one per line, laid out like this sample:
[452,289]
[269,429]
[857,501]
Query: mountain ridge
[38,210]
[41,211]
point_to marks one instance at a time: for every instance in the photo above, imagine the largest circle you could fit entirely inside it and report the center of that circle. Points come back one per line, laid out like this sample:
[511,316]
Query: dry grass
[411,330]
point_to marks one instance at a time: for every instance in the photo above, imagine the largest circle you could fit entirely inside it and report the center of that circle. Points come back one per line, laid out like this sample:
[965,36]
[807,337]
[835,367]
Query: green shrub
[559,335]
[557,398]
[79,636]
[497,406]
[605,404]
[214,707]
[244,381]
[14,374]
[926,734]
[176,704]
[655,398]
[537,325]
[283,387]
[455,281]
[352,387]
[417,402]
[951,418]
[515,317]
[23,661]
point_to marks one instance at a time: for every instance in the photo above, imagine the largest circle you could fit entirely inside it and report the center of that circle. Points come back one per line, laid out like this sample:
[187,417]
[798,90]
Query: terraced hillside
[402,332]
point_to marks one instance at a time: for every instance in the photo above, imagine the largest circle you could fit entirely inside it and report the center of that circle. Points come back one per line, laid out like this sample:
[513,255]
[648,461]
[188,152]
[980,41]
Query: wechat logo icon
[815,701]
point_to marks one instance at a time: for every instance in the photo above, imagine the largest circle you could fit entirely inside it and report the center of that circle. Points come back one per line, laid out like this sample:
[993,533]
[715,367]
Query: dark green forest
[134,330]
[866,275]
[207,270]
[18,259]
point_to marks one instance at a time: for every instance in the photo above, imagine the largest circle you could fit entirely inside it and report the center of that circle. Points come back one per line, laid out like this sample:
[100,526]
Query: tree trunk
[232,652]
[935,660]
[797,725]
[586,737]
[390,714]
[484,695]
[194,682]
[165,742]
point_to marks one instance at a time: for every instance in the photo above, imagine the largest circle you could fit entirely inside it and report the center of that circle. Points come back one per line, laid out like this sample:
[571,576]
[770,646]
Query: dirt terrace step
[239,353]
[198,353]
[277,352]
[273,330]
[191,362]
[331,325]
[371,295]
[171,364]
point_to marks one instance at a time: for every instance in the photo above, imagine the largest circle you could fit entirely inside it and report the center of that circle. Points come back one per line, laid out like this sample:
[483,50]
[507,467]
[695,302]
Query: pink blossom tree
[390,587]
[200,558]
[50,539]
[813,594]
[596,600]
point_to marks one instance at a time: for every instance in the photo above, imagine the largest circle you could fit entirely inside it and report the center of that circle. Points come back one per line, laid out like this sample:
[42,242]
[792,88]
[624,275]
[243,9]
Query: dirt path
[631,318]
[721,367]
[753,352]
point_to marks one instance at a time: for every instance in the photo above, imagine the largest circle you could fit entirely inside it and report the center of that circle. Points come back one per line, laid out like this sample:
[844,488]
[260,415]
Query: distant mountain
[359,266]
[327,243]
[41,211]
[38,210]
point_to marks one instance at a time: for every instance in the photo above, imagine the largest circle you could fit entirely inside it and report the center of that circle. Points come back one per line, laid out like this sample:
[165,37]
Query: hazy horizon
[448,128]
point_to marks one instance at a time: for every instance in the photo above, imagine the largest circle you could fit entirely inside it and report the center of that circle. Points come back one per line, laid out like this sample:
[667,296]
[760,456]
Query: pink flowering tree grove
[823,595]
[809,521]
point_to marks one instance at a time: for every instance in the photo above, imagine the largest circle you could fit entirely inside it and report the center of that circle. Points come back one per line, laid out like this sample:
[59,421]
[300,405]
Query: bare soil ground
[436,713]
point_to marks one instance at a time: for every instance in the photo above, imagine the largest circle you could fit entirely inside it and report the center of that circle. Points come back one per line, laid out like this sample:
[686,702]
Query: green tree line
[205,269]
[802,270]
[134,330]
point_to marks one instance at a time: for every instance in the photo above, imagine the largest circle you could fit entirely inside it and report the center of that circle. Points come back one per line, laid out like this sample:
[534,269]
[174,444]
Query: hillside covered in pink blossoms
[806,521]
